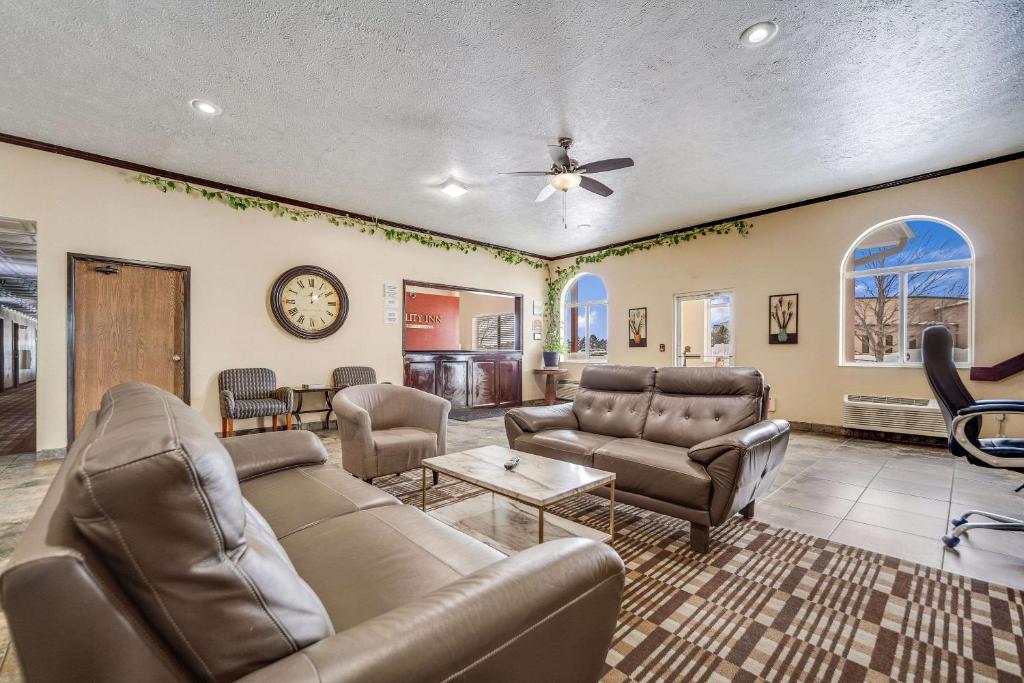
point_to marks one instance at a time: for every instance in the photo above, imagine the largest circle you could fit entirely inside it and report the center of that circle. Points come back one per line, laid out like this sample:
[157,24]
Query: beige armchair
[387,429]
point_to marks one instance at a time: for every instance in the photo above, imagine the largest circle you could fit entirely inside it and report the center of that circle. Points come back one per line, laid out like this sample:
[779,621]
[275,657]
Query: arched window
[585,318]
[899,278]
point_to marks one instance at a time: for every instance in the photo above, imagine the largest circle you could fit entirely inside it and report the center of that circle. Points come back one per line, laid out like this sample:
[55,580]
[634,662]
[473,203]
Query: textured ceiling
[369,106]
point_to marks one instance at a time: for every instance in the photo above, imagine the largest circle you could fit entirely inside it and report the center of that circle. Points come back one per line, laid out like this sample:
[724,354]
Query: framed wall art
[783,318]
[638,327]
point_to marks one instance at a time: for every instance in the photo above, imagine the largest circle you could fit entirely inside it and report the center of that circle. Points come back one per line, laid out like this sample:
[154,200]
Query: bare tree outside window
[899,281]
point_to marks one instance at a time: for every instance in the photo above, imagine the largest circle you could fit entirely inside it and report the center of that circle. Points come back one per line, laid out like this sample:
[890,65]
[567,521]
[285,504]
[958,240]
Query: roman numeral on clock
[289,301]
[292,311]
[311,282]
[332,303]
[300,319]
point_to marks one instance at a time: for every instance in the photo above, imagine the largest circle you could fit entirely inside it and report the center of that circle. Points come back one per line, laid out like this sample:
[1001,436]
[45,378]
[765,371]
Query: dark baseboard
[889,437]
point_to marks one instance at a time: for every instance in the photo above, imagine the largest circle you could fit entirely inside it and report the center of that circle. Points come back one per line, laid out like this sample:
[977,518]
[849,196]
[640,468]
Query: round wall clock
[309,302]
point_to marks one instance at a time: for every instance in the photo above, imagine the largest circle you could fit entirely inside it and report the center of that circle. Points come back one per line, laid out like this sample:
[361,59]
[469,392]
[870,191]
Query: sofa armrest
[257,454]
[708,451]
[285,394]
[227,403]
[742,465]
[547,613]
[540,418]
[354,428]
[428,411]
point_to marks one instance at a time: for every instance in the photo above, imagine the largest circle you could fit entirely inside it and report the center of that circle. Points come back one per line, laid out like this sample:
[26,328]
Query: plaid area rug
[776,605]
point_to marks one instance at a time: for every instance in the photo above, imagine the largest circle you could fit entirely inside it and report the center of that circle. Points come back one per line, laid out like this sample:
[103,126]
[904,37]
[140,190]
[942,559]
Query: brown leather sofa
[161,553]
[693,443]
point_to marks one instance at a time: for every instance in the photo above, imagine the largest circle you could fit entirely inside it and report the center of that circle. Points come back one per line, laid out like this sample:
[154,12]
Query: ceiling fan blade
[594,186]
[558,155]
[545,192]
[527,173]
[606,165]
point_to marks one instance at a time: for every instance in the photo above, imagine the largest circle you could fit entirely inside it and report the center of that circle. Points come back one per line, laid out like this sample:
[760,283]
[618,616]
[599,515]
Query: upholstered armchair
[252,392]
[353,375]
[387,429]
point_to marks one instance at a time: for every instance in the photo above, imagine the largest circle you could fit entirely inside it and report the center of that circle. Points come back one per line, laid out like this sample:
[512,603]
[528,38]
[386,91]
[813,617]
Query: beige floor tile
[811,482]
[920,525]
[906,503]
[981,564]
[934,476]
[848,473]
[803,521]
[912,487]
[813,502]
[899,544]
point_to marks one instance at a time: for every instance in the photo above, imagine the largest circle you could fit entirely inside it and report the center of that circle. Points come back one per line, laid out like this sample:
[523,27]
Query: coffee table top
[537,480]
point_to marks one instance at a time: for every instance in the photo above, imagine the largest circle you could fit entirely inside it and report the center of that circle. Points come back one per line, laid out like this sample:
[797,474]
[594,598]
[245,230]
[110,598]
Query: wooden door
[128,323]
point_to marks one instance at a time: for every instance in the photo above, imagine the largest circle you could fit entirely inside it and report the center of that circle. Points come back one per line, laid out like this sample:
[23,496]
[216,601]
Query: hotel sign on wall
[421,321]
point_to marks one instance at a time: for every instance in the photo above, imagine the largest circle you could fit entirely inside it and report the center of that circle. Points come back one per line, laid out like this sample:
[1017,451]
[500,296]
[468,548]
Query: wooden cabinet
[468,380]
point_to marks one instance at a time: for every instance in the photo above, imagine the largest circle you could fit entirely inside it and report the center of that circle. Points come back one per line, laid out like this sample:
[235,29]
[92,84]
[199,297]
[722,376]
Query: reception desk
[470,379]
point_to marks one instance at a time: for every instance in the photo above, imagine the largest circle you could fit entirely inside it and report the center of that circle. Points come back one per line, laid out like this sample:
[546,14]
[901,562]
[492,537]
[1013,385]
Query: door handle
[176,358]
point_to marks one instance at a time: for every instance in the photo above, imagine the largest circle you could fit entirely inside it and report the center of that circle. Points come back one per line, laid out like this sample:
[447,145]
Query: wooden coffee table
[514,515]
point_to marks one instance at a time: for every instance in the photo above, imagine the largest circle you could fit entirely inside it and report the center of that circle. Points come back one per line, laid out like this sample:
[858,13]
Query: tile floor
[890,498]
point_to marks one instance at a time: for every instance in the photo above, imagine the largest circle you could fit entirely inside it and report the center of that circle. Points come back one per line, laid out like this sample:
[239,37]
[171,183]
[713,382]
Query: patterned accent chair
[354,375]
[252,392]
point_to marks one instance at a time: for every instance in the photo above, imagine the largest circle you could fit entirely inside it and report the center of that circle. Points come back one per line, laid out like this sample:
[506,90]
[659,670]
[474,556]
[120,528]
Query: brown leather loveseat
[693,443]
[161,553]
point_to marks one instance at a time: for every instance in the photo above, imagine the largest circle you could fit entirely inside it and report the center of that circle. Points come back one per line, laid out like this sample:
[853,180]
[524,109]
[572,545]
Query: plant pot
[636,338]
[783,335]
[551,359]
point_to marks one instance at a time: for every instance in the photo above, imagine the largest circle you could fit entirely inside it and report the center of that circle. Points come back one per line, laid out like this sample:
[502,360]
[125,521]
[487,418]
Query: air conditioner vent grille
[893,414]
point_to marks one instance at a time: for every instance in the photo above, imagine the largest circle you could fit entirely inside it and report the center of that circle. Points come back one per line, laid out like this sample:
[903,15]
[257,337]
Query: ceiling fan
[566,174]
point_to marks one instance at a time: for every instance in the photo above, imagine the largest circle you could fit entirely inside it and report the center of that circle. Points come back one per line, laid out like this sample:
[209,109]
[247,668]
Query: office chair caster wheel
[951,541]
[958,521]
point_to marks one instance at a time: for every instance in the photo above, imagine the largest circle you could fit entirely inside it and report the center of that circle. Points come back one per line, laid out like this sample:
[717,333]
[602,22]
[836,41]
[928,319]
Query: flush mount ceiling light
[205,107]
[453,188]
[760,33]
[583,226]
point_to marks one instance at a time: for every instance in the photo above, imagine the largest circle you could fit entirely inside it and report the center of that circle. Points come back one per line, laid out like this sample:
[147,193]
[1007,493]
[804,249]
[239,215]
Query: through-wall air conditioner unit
[893,414]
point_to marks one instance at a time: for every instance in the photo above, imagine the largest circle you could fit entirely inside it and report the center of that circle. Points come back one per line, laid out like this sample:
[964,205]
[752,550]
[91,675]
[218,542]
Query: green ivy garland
[563,274]
[555,283]
[369,227]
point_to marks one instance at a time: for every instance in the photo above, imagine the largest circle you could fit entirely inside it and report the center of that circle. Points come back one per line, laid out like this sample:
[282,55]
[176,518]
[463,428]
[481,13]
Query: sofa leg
[699,537]
[436,475]
[748,511]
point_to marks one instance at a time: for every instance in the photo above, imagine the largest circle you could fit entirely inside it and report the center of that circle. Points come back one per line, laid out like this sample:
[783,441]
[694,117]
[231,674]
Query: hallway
[18,420]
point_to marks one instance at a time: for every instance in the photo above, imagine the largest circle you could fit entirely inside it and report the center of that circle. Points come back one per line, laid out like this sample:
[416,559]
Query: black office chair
[963,417]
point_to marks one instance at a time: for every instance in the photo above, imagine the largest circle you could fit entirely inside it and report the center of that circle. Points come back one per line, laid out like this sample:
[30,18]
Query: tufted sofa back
[690,405]
[613,399]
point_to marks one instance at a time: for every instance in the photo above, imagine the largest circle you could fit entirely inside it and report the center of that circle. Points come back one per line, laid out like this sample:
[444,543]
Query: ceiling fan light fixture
[453,188]
[565,181]
[759,34]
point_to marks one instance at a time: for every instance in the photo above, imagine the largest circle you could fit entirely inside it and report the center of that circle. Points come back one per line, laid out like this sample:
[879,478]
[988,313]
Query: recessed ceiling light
[583,226]
[205,107]
[453,188]
[760,33]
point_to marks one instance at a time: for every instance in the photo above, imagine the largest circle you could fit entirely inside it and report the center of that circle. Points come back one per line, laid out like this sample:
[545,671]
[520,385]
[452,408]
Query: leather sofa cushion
[656,470]
[613,399]
[157,496]
[369,562]
[691,405]
[403,448]
[296,498]
[568,445]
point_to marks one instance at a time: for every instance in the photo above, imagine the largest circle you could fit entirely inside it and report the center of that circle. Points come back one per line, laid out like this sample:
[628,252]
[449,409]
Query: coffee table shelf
[507,519]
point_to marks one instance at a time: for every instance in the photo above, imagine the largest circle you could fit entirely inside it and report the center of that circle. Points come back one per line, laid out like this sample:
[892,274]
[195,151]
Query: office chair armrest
[993,407]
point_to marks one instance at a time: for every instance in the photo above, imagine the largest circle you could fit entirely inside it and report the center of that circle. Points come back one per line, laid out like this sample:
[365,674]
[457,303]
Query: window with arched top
[585,318]
[900,277]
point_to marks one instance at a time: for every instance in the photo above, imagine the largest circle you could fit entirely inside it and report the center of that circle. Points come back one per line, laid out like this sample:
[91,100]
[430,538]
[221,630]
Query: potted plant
[553,346]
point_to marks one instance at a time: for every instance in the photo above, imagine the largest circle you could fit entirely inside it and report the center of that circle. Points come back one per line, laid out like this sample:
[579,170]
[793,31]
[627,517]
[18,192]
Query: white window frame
[586,358]
[903,272]
[677,321]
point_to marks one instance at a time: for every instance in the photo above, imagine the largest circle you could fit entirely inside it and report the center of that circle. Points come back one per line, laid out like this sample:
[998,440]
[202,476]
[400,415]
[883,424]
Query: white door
[704,334]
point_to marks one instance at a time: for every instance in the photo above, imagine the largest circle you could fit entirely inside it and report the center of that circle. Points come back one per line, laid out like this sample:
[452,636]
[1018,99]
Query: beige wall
[235,257]
[800,250]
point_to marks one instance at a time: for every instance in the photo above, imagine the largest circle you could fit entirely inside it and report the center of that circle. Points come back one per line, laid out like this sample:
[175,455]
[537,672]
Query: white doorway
[704,333]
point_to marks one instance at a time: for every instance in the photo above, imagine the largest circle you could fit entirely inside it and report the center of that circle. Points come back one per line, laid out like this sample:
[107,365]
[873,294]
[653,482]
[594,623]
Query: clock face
[309,302]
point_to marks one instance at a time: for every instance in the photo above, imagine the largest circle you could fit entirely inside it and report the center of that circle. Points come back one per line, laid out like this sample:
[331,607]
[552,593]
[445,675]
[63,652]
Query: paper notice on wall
[391,302]
[390,291]
[391,316]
